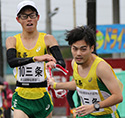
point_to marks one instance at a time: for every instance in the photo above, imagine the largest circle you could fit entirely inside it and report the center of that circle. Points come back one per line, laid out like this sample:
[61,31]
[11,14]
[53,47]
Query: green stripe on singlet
[102,86]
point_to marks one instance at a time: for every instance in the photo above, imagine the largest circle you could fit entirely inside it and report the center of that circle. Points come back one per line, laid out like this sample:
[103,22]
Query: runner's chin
[79,63]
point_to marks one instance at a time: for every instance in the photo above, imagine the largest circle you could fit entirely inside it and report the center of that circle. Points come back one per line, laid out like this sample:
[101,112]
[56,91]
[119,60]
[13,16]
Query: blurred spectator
[7,108]
[2,90]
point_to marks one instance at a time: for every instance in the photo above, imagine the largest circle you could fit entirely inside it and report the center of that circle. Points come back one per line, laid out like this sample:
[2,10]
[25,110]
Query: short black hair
[27,7]
[81,33]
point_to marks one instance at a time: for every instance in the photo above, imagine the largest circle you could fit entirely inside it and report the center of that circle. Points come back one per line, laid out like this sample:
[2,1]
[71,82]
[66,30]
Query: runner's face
[30,23]
[81,52]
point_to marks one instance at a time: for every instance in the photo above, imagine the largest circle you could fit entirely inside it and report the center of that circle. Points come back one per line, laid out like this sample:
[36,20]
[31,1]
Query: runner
[27,53]
[99,89]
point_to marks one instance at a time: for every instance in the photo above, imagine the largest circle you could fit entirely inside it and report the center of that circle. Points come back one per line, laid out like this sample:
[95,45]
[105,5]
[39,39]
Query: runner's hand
[84,110]
[50,64]
[51,81]
[45,57]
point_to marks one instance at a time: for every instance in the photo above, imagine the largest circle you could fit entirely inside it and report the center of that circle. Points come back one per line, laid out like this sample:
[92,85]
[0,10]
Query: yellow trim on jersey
[38,50]
[91,82]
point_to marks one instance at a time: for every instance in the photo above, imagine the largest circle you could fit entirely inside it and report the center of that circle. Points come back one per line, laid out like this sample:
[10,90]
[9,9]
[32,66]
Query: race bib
[89,97]
[30,73]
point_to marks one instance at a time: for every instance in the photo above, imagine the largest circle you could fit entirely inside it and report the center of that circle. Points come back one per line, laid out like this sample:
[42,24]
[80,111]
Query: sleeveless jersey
[22,52]
[91,89]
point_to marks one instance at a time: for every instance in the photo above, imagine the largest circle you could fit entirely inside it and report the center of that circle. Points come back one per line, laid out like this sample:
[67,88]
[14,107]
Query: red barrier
[117,63]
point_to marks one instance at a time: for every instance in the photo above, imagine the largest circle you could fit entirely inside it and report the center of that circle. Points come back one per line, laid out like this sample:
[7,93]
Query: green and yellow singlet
[28,71]
[91,89]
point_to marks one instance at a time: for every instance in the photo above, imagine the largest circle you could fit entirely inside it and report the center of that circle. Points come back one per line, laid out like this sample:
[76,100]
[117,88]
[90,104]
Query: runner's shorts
[39,108]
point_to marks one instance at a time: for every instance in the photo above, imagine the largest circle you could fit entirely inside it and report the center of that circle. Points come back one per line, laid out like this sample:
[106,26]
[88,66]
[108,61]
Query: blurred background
[57,16]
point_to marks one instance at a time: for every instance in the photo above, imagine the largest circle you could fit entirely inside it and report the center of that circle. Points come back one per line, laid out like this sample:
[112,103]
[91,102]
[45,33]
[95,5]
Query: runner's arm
[13,61]
[53,46]
[55,51]
[62,85]
[106,74]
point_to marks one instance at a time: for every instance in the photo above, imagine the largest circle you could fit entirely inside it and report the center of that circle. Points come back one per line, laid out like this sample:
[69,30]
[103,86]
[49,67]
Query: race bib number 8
[31,73]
